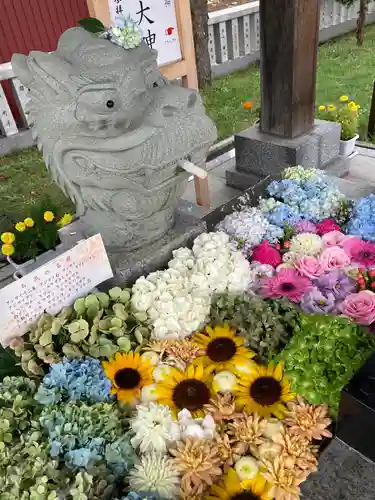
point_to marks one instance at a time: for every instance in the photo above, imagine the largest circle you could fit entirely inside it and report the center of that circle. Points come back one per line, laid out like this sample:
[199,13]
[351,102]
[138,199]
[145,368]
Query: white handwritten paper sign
[157,19]
[52,286]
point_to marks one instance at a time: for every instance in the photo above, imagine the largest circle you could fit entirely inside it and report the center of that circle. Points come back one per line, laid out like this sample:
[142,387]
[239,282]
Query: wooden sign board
[179,12]
[49,288]
[158,22]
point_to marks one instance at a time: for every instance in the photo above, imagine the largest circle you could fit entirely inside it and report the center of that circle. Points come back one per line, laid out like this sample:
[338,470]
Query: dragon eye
[155,84]
[110,104]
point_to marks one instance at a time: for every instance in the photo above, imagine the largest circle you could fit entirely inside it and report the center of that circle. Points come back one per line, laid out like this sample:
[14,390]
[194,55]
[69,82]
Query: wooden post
[289,31]
[371,120]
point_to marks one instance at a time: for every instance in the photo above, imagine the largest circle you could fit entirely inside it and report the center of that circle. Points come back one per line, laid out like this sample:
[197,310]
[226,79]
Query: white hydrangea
[248,224]
[154,427]
[177,300]
[306,244]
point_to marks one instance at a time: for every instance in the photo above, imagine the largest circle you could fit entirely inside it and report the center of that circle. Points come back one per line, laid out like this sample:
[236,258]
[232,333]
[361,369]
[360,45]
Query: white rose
[152,357]
[148,393]
[224,382]
[246,468]
[161,372]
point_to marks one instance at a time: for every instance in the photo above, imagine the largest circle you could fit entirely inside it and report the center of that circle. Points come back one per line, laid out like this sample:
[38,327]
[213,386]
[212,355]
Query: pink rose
[327,226]
[266,254]
[334,257]
[360,307]
[309,267]
[334,239]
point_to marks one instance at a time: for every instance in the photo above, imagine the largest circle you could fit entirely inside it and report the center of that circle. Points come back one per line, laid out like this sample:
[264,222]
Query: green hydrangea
[266,325]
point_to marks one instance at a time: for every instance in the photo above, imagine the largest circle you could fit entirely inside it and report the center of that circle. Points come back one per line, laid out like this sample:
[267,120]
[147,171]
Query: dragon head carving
[113,131]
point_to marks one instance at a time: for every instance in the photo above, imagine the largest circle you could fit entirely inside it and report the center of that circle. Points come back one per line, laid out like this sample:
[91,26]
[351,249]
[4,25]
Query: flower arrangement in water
[35,234]
[345,112]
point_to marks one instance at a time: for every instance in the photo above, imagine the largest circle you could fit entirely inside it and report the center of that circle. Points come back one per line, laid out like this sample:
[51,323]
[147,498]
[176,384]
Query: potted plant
[33,241]
[346,113]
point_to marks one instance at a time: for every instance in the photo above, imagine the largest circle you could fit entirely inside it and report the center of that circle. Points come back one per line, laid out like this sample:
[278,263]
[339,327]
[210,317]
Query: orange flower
[248,105]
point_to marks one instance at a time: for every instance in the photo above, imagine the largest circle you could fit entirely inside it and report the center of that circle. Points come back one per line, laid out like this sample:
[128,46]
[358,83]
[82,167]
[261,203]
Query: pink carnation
[335,239]
[309,266]
[327,226]
[266,254]
[286,283]
[360,307]
[334,257]
[361,252]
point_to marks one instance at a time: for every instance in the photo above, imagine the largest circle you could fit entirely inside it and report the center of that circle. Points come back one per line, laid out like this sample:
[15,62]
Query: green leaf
[92,24]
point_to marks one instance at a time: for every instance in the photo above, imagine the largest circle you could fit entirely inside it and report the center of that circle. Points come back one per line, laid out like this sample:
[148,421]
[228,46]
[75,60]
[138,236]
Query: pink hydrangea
[335,239]
[327,226]
[286,283]
[266,254]
[334,257]
[361,252]
[309,266]
[360,307]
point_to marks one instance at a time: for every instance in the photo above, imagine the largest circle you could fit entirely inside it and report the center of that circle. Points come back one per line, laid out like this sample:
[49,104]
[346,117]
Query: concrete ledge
[16,142]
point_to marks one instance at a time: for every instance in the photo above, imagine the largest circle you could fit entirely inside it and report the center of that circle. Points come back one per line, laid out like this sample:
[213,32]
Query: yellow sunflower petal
[199,370]
[190,372]
[278,371]
[232,483]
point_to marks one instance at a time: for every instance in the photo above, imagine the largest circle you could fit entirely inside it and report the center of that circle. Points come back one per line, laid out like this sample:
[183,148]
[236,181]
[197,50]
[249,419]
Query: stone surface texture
[262,154]
[113,131]
[343,474]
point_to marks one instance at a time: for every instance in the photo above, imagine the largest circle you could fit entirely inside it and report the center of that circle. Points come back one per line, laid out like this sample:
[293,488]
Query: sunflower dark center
[127,378]
[191,394]
[221,349]
[245,495]
[265,391]
[287,287]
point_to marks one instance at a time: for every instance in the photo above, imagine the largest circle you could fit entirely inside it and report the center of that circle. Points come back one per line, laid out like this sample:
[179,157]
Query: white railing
[233,44]
[234,33]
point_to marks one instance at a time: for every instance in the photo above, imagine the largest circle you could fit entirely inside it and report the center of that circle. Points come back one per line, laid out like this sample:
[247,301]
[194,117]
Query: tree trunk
[360,34]
[199,15]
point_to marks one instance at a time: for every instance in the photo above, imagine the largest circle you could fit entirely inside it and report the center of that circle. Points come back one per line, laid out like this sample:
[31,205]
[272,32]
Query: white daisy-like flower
[155,474]
[154,427]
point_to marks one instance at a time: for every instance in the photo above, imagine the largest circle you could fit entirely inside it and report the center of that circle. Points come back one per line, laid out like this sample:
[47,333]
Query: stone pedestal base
[259,155]
[128,266]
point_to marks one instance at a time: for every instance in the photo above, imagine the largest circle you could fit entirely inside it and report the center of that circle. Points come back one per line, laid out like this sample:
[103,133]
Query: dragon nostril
[192,100]
[169,111]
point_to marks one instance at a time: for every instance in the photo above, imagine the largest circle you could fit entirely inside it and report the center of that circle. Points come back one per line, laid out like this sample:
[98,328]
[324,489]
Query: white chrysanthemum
[155,473]
[306,244]
[154,428]
[178,299]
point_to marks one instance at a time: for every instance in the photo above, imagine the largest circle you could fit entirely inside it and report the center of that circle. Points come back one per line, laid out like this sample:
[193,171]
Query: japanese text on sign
[157,19]
[53,286]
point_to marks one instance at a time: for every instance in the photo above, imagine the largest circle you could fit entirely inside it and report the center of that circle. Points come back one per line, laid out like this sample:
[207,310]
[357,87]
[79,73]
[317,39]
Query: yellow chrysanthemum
[353,106]
[65,220]
[344,98]
[264,391]
[20,226]
[331,107]
[190,389]
[128,374]
[321,108]
[7,249]
[48,216]
[222,349]
[232,489]
[29,222]
[8,238]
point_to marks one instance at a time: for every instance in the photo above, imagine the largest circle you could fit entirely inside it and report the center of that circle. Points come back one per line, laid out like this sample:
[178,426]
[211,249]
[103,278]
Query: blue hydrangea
[362,220]
[142,496]
[283,214]
[73,380]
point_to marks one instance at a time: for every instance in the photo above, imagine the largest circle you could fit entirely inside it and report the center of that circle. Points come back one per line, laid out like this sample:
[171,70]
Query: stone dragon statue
[114,132]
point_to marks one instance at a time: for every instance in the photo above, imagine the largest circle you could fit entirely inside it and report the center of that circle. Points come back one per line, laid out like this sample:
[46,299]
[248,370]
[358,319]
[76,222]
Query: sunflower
[234,489]
[222,349]
[190,389]
[128,374]
[264,391]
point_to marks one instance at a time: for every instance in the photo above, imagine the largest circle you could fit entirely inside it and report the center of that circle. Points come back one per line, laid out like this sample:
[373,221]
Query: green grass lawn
[343,68]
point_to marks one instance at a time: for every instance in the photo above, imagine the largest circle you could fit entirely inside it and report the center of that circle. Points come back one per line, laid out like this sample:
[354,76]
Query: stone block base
[262,154]
[128,266]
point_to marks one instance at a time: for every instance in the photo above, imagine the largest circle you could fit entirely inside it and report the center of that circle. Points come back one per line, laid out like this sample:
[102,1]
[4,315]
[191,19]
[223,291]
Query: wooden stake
[371,121]
[202,193]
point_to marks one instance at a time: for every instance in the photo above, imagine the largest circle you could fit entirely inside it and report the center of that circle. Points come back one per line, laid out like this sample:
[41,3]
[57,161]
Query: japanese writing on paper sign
[157,20]
[52,286]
